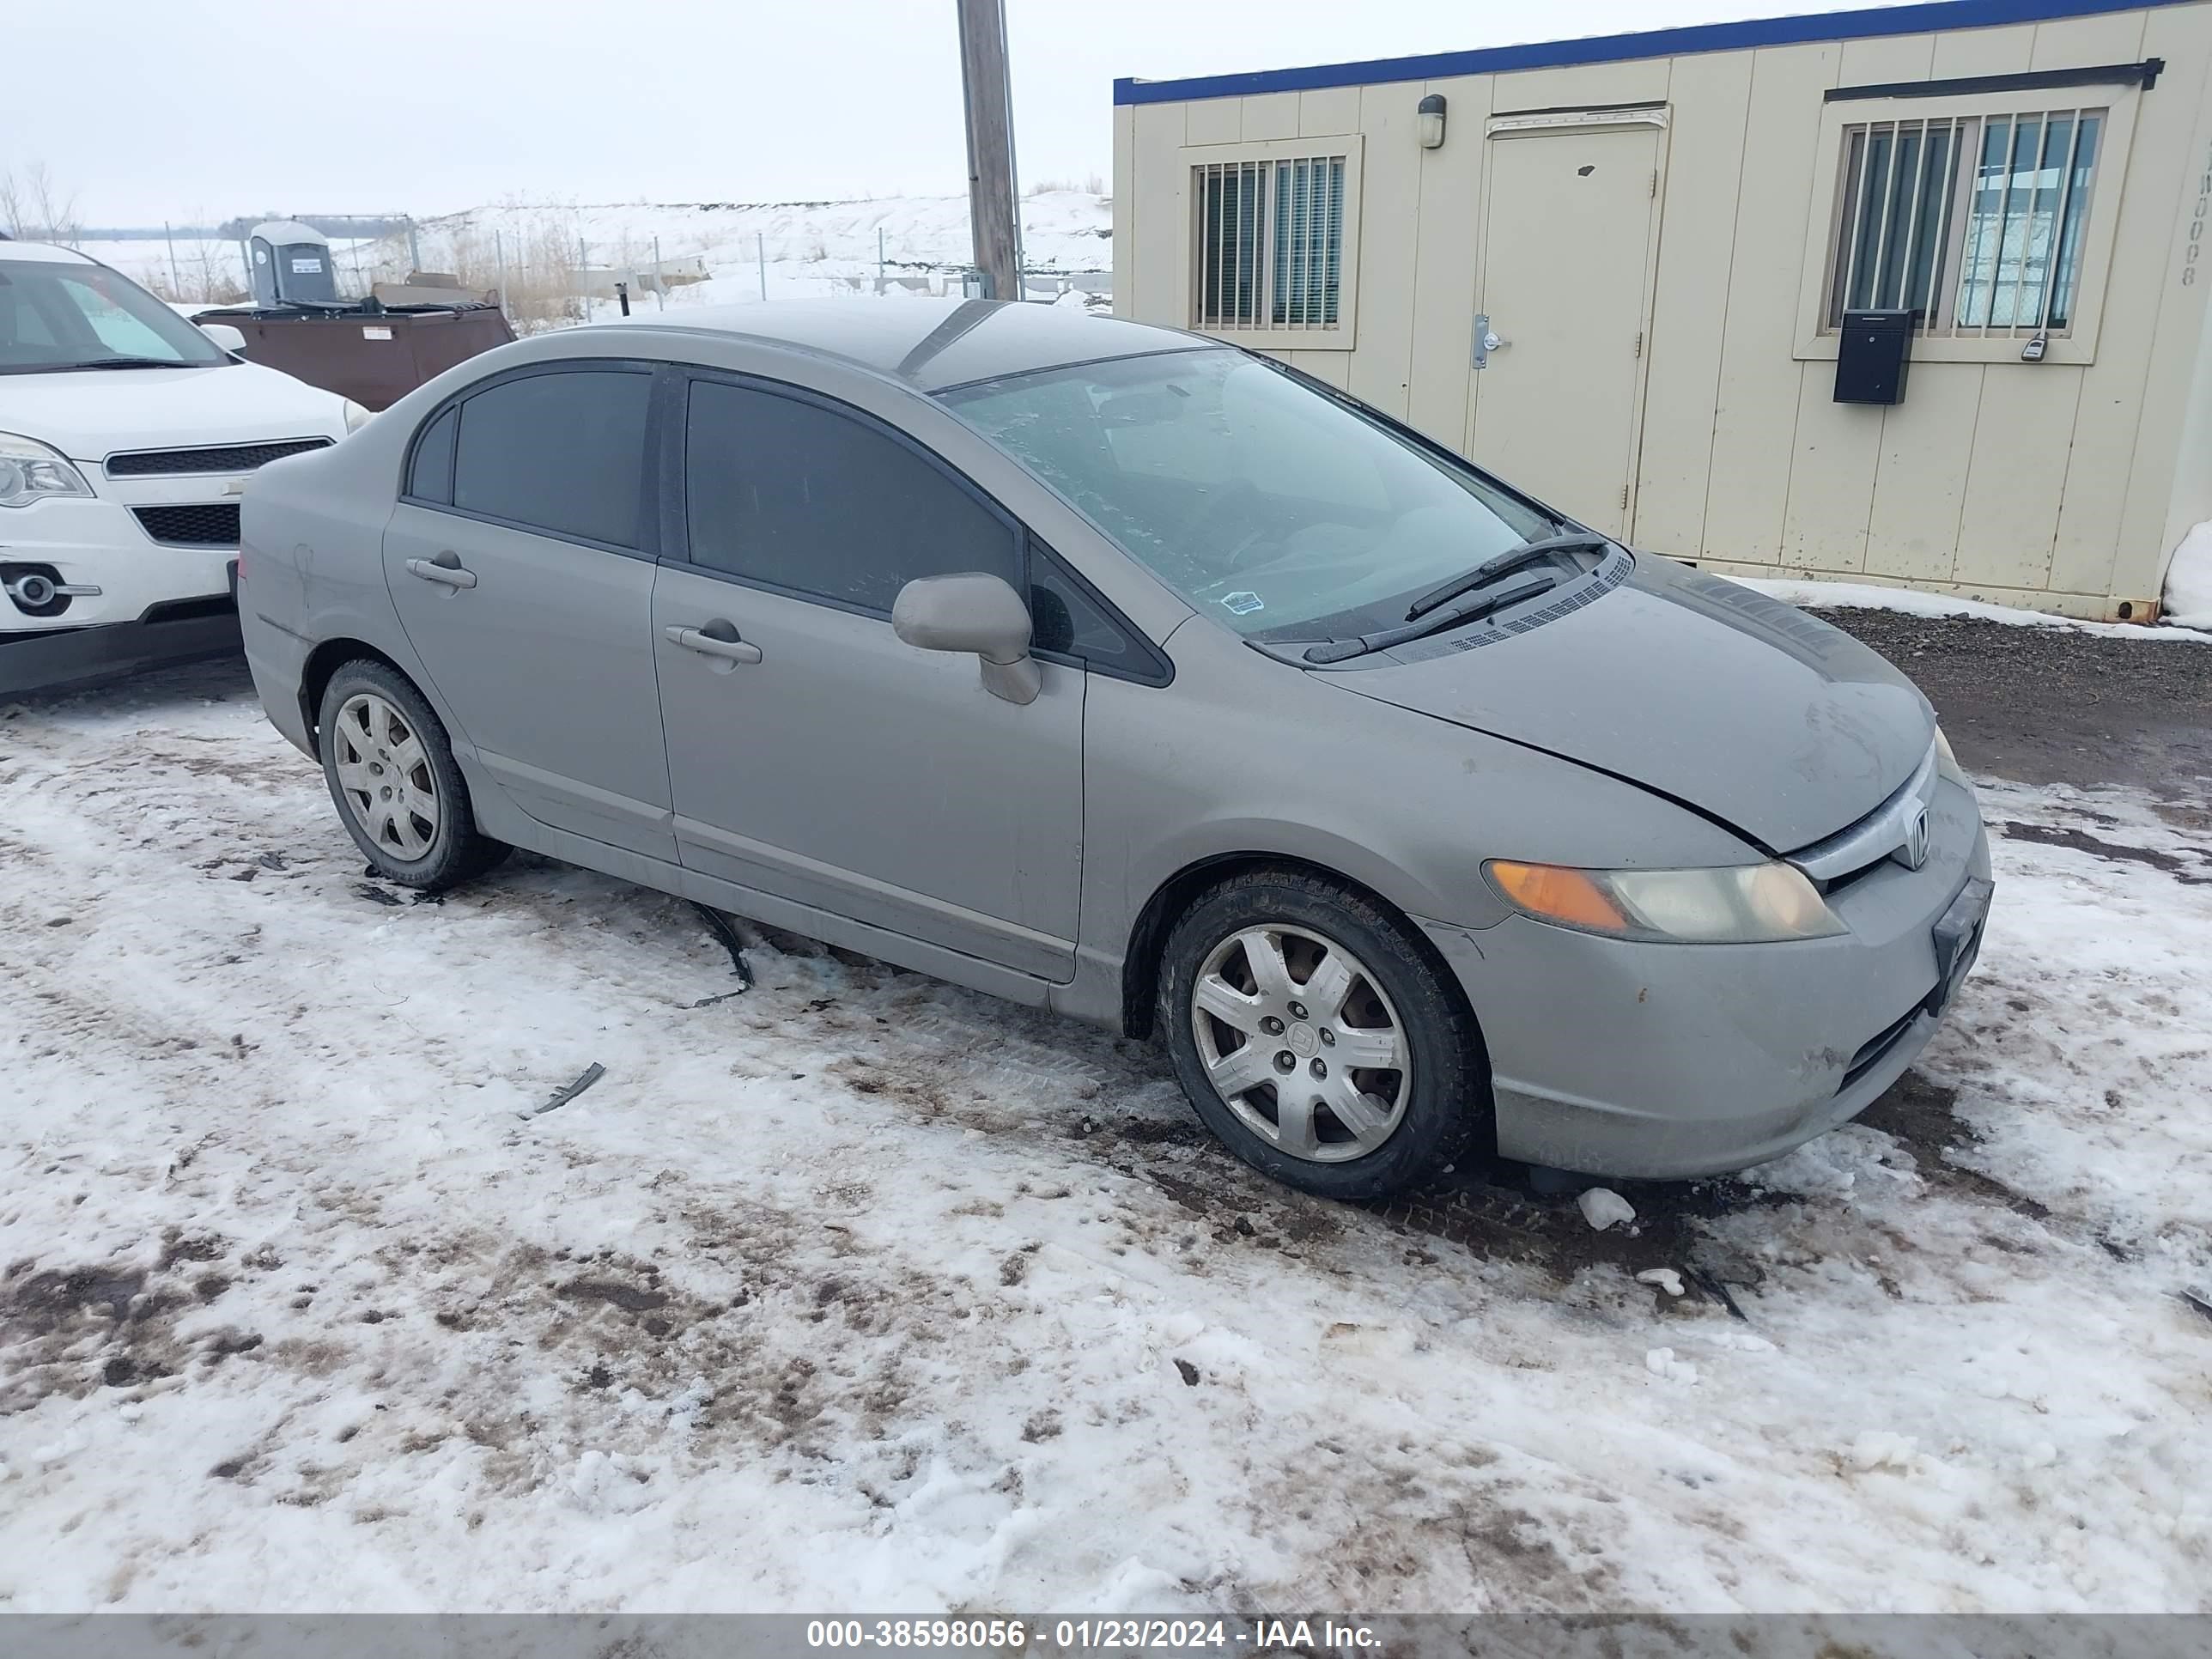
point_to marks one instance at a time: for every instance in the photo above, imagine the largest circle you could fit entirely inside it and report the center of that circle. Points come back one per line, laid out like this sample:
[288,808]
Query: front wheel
[398,789]
[1315,1037]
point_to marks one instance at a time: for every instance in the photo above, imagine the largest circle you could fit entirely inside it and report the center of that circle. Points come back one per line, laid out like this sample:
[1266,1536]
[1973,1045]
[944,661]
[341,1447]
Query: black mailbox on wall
[1872,356]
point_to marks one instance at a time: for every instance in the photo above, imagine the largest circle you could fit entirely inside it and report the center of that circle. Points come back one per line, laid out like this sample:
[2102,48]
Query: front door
[517,560]
[813,754]
[1565,288]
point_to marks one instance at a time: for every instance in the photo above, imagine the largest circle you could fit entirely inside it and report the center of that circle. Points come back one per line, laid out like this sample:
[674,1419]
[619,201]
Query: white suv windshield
[1280,512]
[54,316]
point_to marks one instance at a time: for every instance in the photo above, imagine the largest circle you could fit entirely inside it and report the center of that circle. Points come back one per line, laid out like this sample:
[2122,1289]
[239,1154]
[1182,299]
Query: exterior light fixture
[1431,111]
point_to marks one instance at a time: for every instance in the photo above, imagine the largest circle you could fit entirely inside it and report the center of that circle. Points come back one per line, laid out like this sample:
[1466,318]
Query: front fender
[1245,757]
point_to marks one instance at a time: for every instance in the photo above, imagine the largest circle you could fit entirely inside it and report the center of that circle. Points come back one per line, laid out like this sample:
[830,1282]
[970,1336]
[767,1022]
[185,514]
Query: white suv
[126,437]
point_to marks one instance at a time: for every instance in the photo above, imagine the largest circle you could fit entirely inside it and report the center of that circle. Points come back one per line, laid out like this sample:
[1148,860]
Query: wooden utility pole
[994,211]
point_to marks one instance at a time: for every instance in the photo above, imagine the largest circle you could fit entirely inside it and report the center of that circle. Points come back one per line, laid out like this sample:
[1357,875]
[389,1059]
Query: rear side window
[563,453]
[431,477]
[800,497]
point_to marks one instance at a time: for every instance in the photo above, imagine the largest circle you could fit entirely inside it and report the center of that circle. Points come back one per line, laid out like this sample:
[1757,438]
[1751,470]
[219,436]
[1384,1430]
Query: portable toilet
[292,265]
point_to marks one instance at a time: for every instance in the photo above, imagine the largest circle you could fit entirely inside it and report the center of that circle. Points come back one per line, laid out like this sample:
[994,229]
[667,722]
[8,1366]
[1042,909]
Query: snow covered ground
[853,1290]
[810,249]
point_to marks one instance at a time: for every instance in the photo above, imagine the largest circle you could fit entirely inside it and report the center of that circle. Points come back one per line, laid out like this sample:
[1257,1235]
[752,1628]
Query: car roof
[45,253]
[928,343]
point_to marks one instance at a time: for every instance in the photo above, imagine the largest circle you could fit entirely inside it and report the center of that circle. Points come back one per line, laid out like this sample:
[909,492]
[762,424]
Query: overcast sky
[177,109]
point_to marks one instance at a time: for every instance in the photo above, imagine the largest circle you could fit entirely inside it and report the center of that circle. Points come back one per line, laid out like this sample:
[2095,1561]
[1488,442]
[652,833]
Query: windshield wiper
[103,362]
[1502,564]
[1434,622]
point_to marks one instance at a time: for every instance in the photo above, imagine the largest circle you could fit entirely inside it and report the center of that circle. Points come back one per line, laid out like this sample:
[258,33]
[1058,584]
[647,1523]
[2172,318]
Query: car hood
[1749,710]
[88,414]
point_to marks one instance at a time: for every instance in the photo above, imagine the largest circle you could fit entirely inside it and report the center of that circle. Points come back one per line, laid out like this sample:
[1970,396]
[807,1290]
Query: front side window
[56,316]
[563,452]
[1270,243]
[1280,512]
[1975,223]
[793,495]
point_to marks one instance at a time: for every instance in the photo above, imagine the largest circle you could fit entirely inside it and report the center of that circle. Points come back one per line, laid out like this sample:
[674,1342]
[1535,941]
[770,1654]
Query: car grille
[1897,830]
[208,524]
[1871,1052]
[233,458]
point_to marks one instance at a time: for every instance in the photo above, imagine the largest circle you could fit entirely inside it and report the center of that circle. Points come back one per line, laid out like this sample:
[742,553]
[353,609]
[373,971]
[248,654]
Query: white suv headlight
[356,416]
[29,472]
[1742,905]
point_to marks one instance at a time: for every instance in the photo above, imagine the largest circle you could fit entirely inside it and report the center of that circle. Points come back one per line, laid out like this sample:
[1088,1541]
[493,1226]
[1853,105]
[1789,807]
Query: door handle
[1487,340]
[709,644]
[446,568]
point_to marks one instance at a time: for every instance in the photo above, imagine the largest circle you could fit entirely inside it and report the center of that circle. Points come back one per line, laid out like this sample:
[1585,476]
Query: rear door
[520,559]
[818,757]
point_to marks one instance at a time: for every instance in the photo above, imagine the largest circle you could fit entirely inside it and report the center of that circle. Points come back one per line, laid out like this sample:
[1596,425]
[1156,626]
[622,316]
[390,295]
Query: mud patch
[2056,705]
[1923,1115]
[70,1331]
[2195,871]
[630,1298]
[1490,1207]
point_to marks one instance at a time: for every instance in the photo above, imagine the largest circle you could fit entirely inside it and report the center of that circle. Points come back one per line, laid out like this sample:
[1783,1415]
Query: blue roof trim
[1932,16]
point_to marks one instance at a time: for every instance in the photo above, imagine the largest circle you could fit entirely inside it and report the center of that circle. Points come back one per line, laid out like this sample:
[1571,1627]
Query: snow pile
[1602,1207]
[2188,602]
[1879,1449]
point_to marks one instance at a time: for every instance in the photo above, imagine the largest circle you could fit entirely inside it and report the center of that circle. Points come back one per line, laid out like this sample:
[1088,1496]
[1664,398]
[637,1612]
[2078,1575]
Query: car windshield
[1277,510]
[60,316]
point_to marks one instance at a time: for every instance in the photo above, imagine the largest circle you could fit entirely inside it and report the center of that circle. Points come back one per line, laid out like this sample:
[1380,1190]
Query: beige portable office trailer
[1618,272]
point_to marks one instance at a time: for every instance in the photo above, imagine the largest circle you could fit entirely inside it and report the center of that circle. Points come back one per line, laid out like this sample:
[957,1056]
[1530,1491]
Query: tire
[1401,1123]
[396,786]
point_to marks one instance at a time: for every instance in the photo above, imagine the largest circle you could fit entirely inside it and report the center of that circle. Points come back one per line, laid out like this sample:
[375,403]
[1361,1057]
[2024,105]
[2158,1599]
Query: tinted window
[431,477]
[1065,619]
[563,453]
[805,498]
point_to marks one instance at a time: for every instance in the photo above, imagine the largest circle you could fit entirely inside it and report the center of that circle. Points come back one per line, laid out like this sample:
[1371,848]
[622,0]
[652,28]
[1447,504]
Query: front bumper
[100,543]
[1619,1058]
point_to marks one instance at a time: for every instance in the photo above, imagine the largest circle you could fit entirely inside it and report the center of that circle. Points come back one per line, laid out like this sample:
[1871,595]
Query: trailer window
[1976,222]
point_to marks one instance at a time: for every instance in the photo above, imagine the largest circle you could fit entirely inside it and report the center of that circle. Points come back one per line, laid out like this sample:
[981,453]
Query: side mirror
[224,336]
[973,613]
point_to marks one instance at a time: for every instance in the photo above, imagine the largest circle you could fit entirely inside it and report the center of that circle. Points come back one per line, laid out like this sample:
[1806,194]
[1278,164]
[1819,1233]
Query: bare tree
[33,203]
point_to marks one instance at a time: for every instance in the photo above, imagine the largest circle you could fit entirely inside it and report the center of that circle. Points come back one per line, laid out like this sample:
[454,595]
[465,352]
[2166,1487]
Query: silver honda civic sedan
[1115,670]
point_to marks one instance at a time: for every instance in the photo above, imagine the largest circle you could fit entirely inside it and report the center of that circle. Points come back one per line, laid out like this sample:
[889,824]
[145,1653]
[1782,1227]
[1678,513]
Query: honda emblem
[1914,852]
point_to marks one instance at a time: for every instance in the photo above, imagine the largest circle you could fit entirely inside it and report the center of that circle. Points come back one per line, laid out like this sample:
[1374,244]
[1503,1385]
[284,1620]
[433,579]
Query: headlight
[29,472]
[1740,904]
[1947,764]
[356,416]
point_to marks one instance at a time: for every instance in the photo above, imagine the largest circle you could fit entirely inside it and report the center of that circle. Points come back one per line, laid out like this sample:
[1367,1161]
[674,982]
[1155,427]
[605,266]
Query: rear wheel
[398,789]
[1315,1037]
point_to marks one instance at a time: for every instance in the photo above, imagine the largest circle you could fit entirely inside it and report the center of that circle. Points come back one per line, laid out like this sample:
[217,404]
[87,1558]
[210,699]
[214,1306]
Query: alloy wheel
[383,773]
[1301,1042]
